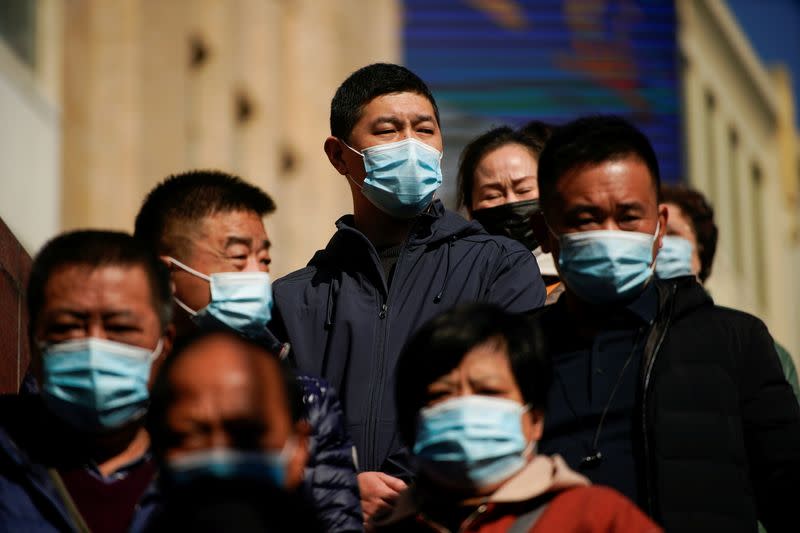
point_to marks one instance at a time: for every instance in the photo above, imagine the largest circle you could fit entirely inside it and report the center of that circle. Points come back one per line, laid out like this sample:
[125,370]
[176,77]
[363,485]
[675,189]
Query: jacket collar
[542,475]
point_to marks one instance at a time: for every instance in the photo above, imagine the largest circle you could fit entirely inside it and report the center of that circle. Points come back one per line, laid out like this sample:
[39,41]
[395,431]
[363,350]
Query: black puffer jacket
[717,427]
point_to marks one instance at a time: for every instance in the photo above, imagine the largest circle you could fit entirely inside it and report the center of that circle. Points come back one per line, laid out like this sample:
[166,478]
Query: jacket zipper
[376,389]
[648,372]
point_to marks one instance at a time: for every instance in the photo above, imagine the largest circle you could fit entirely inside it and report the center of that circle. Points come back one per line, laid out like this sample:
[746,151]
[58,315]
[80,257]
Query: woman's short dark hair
[701,216]
[532,136]
[441,344]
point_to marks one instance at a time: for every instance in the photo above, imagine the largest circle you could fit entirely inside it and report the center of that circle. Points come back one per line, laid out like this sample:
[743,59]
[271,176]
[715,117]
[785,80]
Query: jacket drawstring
[438,297]
[333,293]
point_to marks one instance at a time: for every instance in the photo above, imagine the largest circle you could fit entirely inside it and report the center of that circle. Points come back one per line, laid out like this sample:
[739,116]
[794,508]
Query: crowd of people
[549,363]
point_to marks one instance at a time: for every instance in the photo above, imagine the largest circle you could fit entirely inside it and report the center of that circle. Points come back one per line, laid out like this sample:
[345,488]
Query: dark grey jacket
[347,325]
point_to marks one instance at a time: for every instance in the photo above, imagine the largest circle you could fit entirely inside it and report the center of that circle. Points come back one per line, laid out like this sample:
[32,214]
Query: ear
[335,153]
[297,463]
[541,232]
[536,417]
[663,217]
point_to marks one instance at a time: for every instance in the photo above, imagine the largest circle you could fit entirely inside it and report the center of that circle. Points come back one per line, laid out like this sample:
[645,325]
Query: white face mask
[240,300]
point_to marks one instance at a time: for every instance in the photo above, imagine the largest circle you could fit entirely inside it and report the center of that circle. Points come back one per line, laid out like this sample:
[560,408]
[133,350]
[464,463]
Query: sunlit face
[232,241]
[385,119]
[504,175]
[109,302]
[613,195]
[680,225]
[225,398]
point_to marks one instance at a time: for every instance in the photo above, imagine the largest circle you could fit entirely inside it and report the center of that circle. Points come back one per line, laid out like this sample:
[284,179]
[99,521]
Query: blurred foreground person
[689,248]
[398,260]
[497,184]
[471,391]
[227,429]
[76,456]
[207,226]
[677,403]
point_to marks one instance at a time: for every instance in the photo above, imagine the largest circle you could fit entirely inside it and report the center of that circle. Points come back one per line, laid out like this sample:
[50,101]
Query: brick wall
[14,266]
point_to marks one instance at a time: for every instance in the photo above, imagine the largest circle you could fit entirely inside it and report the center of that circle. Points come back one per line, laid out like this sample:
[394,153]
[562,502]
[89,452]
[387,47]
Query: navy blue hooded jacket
[347,326]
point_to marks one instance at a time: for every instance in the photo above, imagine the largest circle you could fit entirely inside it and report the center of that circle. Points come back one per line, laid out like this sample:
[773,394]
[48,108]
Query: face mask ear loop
[158,349]
[354,182]
[188,269]
[352,149]
[655,238]
[193,272]
[530,449]
[185,307]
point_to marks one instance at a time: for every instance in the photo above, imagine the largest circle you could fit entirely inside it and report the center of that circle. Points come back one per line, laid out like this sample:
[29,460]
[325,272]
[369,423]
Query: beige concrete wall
[153,87]
[30,185]
[735,118]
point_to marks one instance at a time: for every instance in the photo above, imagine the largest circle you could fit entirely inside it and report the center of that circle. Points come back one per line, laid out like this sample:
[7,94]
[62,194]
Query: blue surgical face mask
[402,177]
[268,466]
[471,441]
[606,266]
[675,258]
[96,384]
[240,300]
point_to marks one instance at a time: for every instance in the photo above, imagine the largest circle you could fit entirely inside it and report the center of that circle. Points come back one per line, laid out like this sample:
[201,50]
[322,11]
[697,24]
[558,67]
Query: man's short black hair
[366,84]
[701,215]
[591,141]
[441,344]
[183,200]
[97,249]
[532,136]
[162,394]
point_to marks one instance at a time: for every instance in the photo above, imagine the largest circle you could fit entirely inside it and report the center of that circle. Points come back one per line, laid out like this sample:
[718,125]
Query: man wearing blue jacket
[208,227]
[397,261]
[76,457]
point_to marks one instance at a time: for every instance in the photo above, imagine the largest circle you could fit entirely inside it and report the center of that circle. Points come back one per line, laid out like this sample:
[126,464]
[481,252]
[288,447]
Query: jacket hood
[542,475]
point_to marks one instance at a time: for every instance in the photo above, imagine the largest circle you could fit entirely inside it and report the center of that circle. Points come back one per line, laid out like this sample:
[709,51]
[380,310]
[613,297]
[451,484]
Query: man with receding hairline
[208,227]
[227,428]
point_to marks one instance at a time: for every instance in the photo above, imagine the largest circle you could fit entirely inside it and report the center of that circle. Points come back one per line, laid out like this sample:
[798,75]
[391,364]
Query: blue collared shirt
[586,372]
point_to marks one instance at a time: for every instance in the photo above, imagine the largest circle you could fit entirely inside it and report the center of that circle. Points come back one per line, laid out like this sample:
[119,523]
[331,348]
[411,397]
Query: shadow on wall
[15,264]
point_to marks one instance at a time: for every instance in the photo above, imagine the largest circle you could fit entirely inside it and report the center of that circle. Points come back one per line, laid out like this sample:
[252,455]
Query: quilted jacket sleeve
[330,476]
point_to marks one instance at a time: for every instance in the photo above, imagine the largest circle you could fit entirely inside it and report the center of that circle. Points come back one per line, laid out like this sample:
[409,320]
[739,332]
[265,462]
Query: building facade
[743,153]
[135,90]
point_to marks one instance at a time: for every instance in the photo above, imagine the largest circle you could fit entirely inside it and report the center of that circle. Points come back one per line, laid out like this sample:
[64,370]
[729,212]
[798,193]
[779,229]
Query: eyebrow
[630,205]
[396,121]
[84,314]
[233,240]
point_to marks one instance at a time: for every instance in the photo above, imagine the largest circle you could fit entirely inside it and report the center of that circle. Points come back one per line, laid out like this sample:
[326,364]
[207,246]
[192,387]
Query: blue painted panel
[509,61]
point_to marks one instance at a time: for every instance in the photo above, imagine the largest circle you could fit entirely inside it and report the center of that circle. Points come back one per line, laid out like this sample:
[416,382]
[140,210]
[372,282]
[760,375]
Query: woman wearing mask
[689,247]
[497,185]
[471,388]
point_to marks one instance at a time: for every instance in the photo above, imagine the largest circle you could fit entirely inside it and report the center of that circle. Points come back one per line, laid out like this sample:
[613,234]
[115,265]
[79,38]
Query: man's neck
[112,452]
[381,229]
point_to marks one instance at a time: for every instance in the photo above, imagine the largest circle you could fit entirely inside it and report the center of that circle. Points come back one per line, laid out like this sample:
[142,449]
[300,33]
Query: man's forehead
[115,286]
[626,180]
[403,102]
